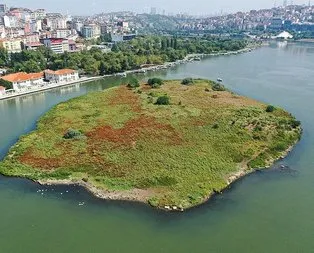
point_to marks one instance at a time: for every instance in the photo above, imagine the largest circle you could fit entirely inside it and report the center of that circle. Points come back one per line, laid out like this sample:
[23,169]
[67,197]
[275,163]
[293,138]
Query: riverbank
[132,149]
[167,65]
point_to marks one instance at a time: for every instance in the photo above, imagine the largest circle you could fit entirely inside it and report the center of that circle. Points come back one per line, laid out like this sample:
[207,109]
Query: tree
[4,57]
[102,68]
[155,82]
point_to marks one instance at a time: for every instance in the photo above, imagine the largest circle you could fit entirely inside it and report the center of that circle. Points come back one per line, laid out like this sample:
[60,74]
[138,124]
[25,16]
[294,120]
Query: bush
[163,100]
[72,134]
[155,82]
[295,123]
[218,87]
[187,81]
[133,83]
[270,108]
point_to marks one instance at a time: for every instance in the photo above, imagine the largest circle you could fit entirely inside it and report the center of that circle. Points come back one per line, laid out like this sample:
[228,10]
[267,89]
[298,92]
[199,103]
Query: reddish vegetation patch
[129,134]
[44,163]
[125,96]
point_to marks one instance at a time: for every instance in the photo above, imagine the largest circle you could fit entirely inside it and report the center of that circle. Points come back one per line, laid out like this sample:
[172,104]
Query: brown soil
[37,162]
[129,134]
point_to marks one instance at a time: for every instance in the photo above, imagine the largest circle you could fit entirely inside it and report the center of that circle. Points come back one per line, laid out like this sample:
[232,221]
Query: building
[122,37]
[57,45]
[38,14]
[61,33]
[10,21]
[91,31]
[63,75]
[12,45]
[276,24]
[284,36]
[55,21]
[78,26]
[33,45]
[3,9]
[22,80]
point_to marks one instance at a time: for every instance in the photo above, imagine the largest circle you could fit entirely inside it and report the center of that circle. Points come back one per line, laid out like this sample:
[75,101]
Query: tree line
[124,56]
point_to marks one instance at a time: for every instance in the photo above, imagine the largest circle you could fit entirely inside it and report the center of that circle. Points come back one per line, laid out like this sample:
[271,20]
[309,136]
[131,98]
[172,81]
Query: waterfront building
[63,75]
[22,80]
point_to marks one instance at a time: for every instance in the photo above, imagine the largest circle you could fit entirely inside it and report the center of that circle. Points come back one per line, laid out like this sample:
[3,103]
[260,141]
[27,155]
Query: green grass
[180,153]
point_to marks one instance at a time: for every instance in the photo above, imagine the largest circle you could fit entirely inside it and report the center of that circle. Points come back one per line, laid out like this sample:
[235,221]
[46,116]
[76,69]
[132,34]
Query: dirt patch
[129,134]
[37,162]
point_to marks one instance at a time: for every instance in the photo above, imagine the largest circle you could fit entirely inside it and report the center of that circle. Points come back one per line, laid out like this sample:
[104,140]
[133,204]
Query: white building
[61,33]
[63,75]
[284,36]
[23,81]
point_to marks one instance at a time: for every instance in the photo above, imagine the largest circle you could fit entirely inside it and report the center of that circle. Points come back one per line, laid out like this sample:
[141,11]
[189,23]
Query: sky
[196,7]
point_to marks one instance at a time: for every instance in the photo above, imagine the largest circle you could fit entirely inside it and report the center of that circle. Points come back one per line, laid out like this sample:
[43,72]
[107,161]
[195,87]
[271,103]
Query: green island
[171,144]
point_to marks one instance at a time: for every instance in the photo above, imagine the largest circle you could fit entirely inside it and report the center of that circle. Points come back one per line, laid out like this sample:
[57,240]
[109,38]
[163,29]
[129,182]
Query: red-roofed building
[22,80]
[62,75]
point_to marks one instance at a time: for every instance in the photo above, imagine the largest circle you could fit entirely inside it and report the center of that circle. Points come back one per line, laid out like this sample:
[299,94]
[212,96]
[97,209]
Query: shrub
[216,126]
[295,123]
[72,134]
[155,82]
[133,83]
[163,100]
[218,87]
[270,108]
[187,81]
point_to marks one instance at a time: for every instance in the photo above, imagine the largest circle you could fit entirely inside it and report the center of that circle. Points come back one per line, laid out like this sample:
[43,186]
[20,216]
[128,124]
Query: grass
[180,153]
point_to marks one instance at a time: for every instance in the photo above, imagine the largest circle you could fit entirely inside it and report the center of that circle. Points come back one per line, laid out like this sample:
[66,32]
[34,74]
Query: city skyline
[197,7]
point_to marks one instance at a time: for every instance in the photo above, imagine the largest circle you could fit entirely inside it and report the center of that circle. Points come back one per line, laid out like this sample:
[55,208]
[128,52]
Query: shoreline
[166,65]
[142,196]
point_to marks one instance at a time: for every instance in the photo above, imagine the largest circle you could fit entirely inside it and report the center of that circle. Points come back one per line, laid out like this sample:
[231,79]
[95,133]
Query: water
[269,211]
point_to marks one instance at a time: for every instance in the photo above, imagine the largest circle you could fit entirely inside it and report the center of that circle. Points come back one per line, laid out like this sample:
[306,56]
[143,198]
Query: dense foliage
[124,56]
[155,82]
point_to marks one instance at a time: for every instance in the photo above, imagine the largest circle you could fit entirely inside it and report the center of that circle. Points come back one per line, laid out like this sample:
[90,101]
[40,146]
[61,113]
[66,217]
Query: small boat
[81,203]
[219,80]
[197,59]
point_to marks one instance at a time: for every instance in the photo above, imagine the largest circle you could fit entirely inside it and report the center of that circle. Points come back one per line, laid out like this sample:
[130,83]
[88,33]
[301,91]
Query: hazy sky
[173,6]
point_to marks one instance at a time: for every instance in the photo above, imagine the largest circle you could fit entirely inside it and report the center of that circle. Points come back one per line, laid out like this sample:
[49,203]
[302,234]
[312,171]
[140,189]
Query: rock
[167,207]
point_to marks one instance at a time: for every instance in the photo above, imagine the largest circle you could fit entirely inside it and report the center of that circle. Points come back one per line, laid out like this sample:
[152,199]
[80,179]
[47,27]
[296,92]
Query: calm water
[269,211]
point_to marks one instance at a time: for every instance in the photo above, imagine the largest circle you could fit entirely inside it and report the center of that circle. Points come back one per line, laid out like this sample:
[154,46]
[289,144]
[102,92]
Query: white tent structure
[284,36]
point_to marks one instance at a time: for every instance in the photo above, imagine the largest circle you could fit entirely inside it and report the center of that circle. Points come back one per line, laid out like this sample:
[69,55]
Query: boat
[219,80]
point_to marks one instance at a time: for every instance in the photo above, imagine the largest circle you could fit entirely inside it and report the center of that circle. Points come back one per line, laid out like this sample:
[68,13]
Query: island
[171,144]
